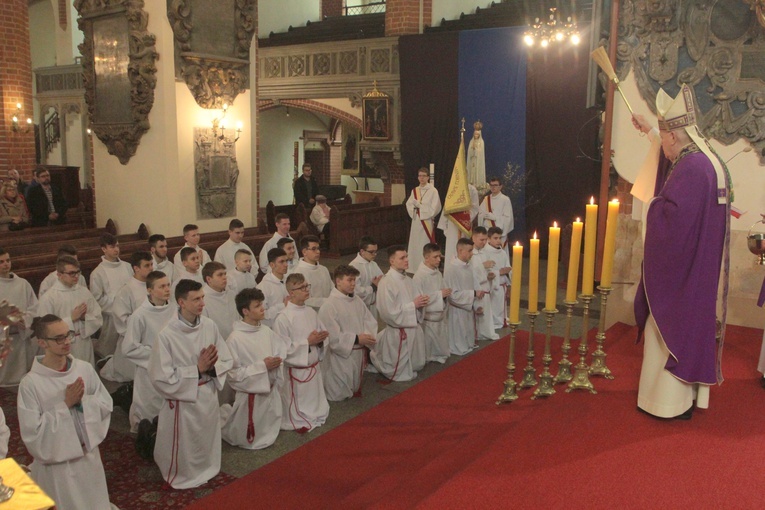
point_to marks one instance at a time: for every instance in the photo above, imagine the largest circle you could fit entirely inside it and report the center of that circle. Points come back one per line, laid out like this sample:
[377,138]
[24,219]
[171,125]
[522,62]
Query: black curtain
[429,105]
[562,158]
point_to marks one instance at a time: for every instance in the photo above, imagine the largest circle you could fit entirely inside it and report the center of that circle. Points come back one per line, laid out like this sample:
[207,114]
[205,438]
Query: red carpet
[444,444]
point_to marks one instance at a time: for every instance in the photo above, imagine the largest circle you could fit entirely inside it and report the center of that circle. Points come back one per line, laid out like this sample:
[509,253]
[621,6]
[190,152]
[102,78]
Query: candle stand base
[599,367]
[546,386]
[529,373]
[510,393]
[564,365]
[581,380]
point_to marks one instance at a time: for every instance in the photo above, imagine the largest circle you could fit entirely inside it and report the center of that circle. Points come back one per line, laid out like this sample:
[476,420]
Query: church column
[404,17]
[17,149]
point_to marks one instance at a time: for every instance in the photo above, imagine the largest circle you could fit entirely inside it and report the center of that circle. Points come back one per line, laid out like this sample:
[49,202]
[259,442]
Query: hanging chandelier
[552,30]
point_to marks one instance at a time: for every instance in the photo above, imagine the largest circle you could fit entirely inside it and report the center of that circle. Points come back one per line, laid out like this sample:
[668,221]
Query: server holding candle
[684,246]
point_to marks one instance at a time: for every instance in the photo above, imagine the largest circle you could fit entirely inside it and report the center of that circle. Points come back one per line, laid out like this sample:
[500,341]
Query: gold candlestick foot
[546,385]
[529,373]
[599,367]
[581,379]
[510,393]
[564,365]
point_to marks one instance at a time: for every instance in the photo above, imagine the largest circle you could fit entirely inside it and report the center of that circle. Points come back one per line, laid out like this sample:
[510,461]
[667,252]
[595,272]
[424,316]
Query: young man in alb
[315,274]
[282,223]
[143,328]
[52,278]
[64,413]
[496,210]
[500,284]
[19,292]
[288,245]
[254,421]
[219,300]
[370,273]
[226,252]
[352,330]
[484,273]
[192,237]
[241,276]
[400,350]
[188,367]
[105,280]
[117,368]
[430,282]
[304,403]
[75,305]
[274,286]
[423,206]
[158,250]
[464,301]
[191,266]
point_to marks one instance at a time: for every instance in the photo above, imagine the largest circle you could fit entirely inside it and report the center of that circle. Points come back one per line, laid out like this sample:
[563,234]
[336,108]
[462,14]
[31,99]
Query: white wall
[451,9]
[157,186]
[278,15]
[42,32]
[278,133]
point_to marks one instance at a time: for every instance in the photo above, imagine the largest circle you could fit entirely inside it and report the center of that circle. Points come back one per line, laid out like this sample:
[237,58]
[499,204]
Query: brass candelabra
[529,373]
[581,379]
[546,384]
[564,365]
[599,367]
[510,393]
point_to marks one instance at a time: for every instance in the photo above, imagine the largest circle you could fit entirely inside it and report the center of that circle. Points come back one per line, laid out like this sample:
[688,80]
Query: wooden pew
[296,213]
[388,225]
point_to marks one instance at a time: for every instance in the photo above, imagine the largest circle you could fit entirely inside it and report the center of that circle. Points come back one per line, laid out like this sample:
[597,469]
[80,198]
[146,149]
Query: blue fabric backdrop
[492,89]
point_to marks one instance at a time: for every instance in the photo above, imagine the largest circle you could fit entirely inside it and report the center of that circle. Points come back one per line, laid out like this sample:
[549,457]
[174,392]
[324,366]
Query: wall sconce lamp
[219,124]
[16,124]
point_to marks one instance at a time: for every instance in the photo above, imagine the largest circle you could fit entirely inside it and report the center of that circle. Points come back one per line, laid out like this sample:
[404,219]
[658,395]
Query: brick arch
[312,106]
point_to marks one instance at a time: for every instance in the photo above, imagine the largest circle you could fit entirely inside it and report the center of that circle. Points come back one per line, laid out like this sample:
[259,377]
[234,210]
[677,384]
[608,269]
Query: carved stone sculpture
[215,173]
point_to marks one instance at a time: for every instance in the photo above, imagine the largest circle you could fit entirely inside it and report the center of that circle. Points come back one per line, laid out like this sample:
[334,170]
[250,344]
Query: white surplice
[270,245]
[484,324]
[304,403]
[400,350]
[204,257]
[368,271]
[274,291]
[319,216]
[451,231]
[226,252]
[501,214]
[254,421]
[61,300]
[319,279]
[431,282]
[64,441]
[105,280]
[221,308]
[500,285]
[129,298]
[18,292]
[166,266]
[459,277]
[5,436]
[345,317]
[188,445]
[182,274]
[51,279]
[421,211]
[240,280]
[143,328]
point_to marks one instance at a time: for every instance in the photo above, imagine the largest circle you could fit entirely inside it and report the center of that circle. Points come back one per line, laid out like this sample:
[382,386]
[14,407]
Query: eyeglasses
[72,273]
[315,248]
[371,252]
[61,339]
[495,185]
[306,287]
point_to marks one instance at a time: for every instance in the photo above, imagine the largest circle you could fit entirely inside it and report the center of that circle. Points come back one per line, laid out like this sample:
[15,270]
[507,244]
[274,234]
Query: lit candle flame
[615,200]
[535,235]
[555,224]
[578,219]
[592,200]
[517,243]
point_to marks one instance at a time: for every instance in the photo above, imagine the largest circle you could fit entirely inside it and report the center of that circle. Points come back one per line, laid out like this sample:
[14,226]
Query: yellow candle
[590,239]
[553,248]
[515,289]
[609,247]
[573,261]
[534,275]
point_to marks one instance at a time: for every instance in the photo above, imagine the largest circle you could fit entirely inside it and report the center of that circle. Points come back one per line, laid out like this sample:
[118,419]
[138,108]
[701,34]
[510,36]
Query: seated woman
[13,208]
[320,215]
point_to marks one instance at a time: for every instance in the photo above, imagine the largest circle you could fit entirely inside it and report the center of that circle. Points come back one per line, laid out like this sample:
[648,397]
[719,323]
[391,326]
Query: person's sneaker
[123,396]
[147,437]
[100,363]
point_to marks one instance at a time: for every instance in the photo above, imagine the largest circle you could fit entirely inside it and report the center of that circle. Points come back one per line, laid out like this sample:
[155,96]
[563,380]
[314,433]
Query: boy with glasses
[47,283]
[370,273]
[273,286]
[315,274]
[75,305]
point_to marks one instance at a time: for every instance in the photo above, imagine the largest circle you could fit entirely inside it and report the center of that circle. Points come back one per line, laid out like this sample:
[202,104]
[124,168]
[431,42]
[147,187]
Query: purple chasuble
[685,236]
[761,300]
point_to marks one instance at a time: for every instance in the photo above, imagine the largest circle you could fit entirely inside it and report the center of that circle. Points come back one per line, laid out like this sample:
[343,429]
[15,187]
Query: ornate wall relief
[215,173]
[119,68]
[212,47]
[716,46]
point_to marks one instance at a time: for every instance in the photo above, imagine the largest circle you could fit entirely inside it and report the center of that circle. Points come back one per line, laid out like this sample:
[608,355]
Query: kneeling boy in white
[256,416]
[352,329]
[219,300]
[464,300]
[143,328]
[500,284]
[304,403]
[188,366]
[484,275]
[64,412]
[241,276]
[430,282]
[273,285]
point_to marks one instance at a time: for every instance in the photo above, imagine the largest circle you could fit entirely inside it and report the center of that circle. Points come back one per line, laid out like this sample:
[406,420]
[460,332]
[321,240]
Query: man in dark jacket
[46,202]
[306,188]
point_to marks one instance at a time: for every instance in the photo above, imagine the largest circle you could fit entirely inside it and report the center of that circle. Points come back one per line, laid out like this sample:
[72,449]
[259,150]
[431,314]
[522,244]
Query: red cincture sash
[250,422]
[428,230]
[312,373]
[401,338]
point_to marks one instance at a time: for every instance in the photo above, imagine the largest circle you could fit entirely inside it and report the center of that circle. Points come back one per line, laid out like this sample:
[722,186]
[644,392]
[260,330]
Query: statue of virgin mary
[476,161]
